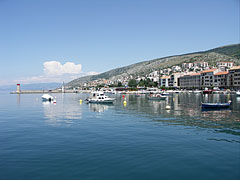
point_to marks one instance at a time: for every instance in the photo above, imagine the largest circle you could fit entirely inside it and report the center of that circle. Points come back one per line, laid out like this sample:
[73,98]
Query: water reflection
[61,113]
[18,99]
[99,107]
[186,111]
[238,99]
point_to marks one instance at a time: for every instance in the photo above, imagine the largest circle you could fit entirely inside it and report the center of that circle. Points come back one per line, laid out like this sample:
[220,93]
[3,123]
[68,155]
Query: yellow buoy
[125,102]
[80,101]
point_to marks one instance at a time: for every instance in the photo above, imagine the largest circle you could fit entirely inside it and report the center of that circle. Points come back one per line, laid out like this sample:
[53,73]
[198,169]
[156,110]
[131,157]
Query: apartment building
[220,79]
[174,80]
[200,64]
[191,80]
[207,78]
[234,77]
[225,64]
[154,76]
[187,65]
[164,81]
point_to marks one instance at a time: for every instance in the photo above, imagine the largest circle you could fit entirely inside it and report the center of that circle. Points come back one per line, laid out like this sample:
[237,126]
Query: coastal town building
[176,69]
[200,64]
[187,65]
[154,76]
[164,81]
[167,71]
[225,64]
[191,80]
[189,75]
[174,80]
[207,78]
[220,79]
[234,77]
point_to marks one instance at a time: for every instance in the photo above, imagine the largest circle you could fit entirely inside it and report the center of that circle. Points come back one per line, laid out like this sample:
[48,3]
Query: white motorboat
[197,91]
[164,93]
[238,93]
[156,97]
[47,97]
[176,91]
[99,97]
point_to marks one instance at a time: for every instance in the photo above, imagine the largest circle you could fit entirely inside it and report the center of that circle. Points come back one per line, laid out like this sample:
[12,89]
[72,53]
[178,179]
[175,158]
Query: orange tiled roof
[165,77]
[194,74]
[221,73]
[209,70]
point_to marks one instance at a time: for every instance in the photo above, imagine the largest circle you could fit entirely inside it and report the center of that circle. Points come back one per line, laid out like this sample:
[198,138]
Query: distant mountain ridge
[224,53]
[35,86]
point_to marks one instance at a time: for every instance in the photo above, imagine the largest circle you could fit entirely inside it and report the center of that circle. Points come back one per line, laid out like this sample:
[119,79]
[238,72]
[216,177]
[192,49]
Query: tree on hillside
[141,83]
[132,83]
[119,84]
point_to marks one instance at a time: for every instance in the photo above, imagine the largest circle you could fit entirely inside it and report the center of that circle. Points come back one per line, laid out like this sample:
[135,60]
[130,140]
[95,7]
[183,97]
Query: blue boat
[217,105]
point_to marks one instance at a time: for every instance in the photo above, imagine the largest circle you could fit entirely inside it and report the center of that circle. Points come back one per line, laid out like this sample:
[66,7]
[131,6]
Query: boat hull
[101,102]
[47,97]
[157,98]
[216,105]
[207,92]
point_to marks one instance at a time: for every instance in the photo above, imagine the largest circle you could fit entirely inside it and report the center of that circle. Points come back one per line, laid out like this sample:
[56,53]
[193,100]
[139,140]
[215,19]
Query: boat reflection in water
[99,107]
[238,99]
[186,111]
[61,114]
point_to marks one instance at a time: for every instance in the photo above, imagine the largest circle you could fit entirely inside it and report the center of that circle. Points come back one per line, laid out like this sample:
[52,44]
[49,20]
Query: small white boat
[47,97]
[238,93]
[156,97]
[99,97]
[165,94]
[176,91]
[197,91]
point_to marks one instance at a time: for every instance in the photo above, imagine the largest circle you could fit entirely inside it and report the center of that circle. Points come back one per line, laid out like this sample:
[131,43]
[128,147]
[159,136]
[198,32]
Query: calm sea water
[141,140]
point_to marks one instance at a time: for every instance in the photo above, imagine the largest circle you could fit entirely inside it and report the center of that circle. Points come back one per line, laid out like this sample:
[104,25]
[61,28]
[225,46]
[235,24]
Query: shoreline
[47,91]
[118,92]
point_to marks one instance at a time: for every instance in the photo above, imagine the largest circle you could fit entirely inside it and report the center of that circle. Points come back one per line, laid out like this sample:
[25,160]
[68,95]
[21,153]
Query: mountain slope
[231,50]
[225,53]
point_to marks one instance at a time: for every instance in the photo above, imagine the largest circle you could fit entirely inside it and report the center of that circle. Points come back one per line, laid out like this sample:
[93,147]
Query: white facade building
[164,81]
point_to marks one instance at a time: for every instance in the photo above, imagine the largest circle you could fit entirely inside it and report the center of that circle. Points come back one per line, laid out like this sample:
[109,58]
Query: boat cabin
[98,95]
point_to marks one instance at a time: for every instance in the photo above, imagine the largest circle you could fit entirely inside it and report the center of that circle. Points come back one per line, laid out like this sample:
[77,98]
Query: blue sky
[106,34]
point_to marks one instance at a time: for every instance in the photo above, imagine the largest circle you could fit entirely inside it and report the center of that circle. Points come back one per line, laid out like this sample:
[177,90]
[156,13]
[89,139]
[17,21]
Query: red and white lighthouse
[18,88]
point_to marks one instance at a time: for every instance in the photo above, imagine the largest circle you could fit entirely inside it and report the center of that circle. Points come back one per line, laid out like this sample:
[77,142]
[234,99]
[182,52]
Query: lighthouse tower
[18,88]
